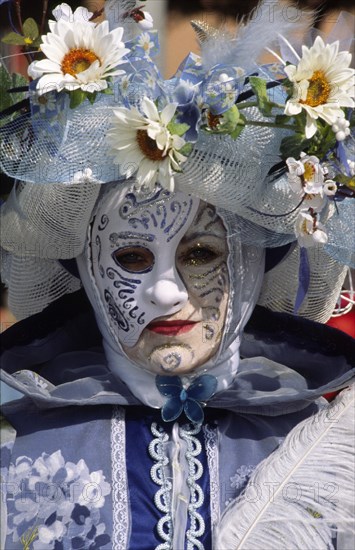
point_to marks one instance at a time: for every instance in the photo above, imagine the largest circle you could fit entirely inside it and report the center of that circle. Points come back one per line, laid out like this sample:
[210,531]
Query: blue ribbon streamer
[303,279]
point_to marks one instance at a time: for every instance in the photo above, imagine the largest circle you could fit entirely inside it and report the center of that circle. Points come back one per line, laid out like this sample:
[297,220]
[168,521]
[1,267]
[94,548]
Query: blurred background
[172,19]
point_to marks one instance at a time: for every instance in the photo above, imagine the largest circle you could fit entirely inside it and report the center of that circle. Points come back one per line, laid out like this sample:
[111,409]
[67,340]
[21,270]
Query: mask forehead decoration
[133,244]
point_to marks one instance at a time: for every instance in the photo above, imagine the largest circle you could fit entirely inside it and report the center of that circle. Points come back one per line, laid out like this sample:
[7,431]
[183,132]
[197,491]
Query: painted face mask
[171,286]
[159,263]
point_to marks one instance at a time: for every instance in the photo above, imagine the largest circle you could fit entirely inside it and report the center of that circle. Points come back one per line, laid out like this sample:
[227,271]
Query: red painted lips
[171,328]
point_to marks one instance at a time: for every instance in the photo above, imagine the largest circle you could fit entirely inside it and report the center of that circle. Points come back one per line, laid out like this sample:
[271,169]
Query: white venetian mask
[159,264]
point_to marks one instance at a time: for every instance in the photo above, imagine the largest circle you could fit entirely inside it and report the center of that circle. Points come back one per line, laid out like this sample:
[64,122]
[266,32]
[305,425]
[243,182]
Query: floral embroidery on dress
[56,504]
[239,480]
[5,457]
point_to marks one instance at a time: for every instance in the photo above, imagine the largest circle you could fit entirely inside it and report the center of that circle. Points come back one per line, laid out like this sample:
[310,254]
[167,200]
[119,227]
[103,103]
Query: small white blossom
[225,80]
[309,231]
[143,19]
[341,128]
[305,175]
[82,176]
[48,535]
[330,188]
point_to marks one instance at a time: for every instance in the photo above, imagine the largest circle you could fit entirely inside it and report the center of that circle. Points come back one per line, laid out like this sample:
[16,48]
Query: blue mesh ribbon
[341,153]
[188,400]
[303,279]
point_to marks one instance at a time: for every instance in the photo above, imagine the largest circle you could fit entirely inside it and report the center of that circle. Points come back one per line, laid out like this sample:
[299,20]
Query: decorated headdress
[269,143]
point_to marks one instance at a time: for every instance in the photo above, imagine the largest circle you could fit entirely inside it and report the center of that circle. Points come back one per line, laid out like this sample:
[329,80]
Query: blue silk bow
[188,400]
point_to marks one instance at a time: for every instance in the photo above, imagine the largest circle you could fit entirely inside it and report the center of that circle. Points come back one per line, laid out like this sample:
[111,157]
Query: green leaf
[239,128]
[282,119]
[107,91]
[289,86]
[30,29]
[91,97]
[36,43]
[229,120]
[7,82]
[292,146]
[259,88]
[237,131]
[77,97]
[178,129]
[17,81]
[348,181]
[186,149]
[14,38]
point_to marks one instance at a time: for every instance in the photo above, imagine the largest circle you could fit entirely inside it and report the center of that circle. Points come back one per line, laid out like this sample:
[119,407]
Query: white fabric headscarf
[160,219]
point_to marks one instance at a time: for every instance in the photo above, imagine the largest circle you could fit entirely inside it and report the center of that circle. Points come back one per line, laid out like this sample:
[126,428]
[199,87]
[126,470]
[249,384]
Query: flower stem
[246,105]
[31,537]
[9,7]
[97,14]
[18,13]
[255,104]
[44,13]
[269,124]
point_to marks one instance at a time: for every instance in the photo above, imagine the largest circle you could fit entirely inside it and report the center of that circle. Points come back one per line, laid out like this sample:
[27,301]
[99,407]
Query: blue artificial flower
[187,400]
[187,110]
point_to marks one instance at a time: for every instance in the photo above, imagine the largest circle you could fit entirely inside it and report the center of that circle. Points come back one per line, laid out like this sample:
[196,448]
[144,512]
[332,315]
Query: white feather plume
[261,30]
[302,495]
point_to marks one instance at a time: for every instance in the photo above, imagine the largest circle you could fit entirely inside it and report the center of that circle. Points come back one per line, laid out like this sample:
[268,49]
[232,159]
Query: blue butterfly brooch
[189,400]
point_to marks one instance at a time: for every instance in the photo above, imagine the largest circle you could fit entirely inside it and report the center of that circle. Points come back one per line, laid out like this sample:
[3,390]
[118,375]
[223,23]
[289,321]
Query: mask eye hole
[199,254]
[134,259]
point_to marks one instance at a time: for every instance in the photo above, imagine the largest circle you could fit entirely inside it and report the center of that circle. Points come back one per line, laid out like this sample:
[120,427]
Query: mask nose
[168,294]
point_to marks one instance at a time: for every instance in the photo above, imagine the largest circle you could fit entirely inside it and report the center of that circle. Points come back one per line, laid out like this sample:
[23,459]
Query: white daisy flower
[64,12]
[309,231]
[143,145]
[145,43]
[79,53]
[323,84]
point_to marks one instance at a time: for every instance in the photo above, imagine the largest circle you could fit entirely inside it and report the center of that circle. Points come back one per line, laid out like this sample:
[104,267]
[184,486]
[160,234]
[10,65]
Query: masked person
[155,414]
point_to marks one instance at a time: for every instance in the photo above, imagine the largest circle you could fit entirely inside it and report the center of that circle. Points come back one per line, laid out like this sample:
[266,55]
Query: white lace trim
[162,498]
[211,443]
[120,495]
[197,524]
